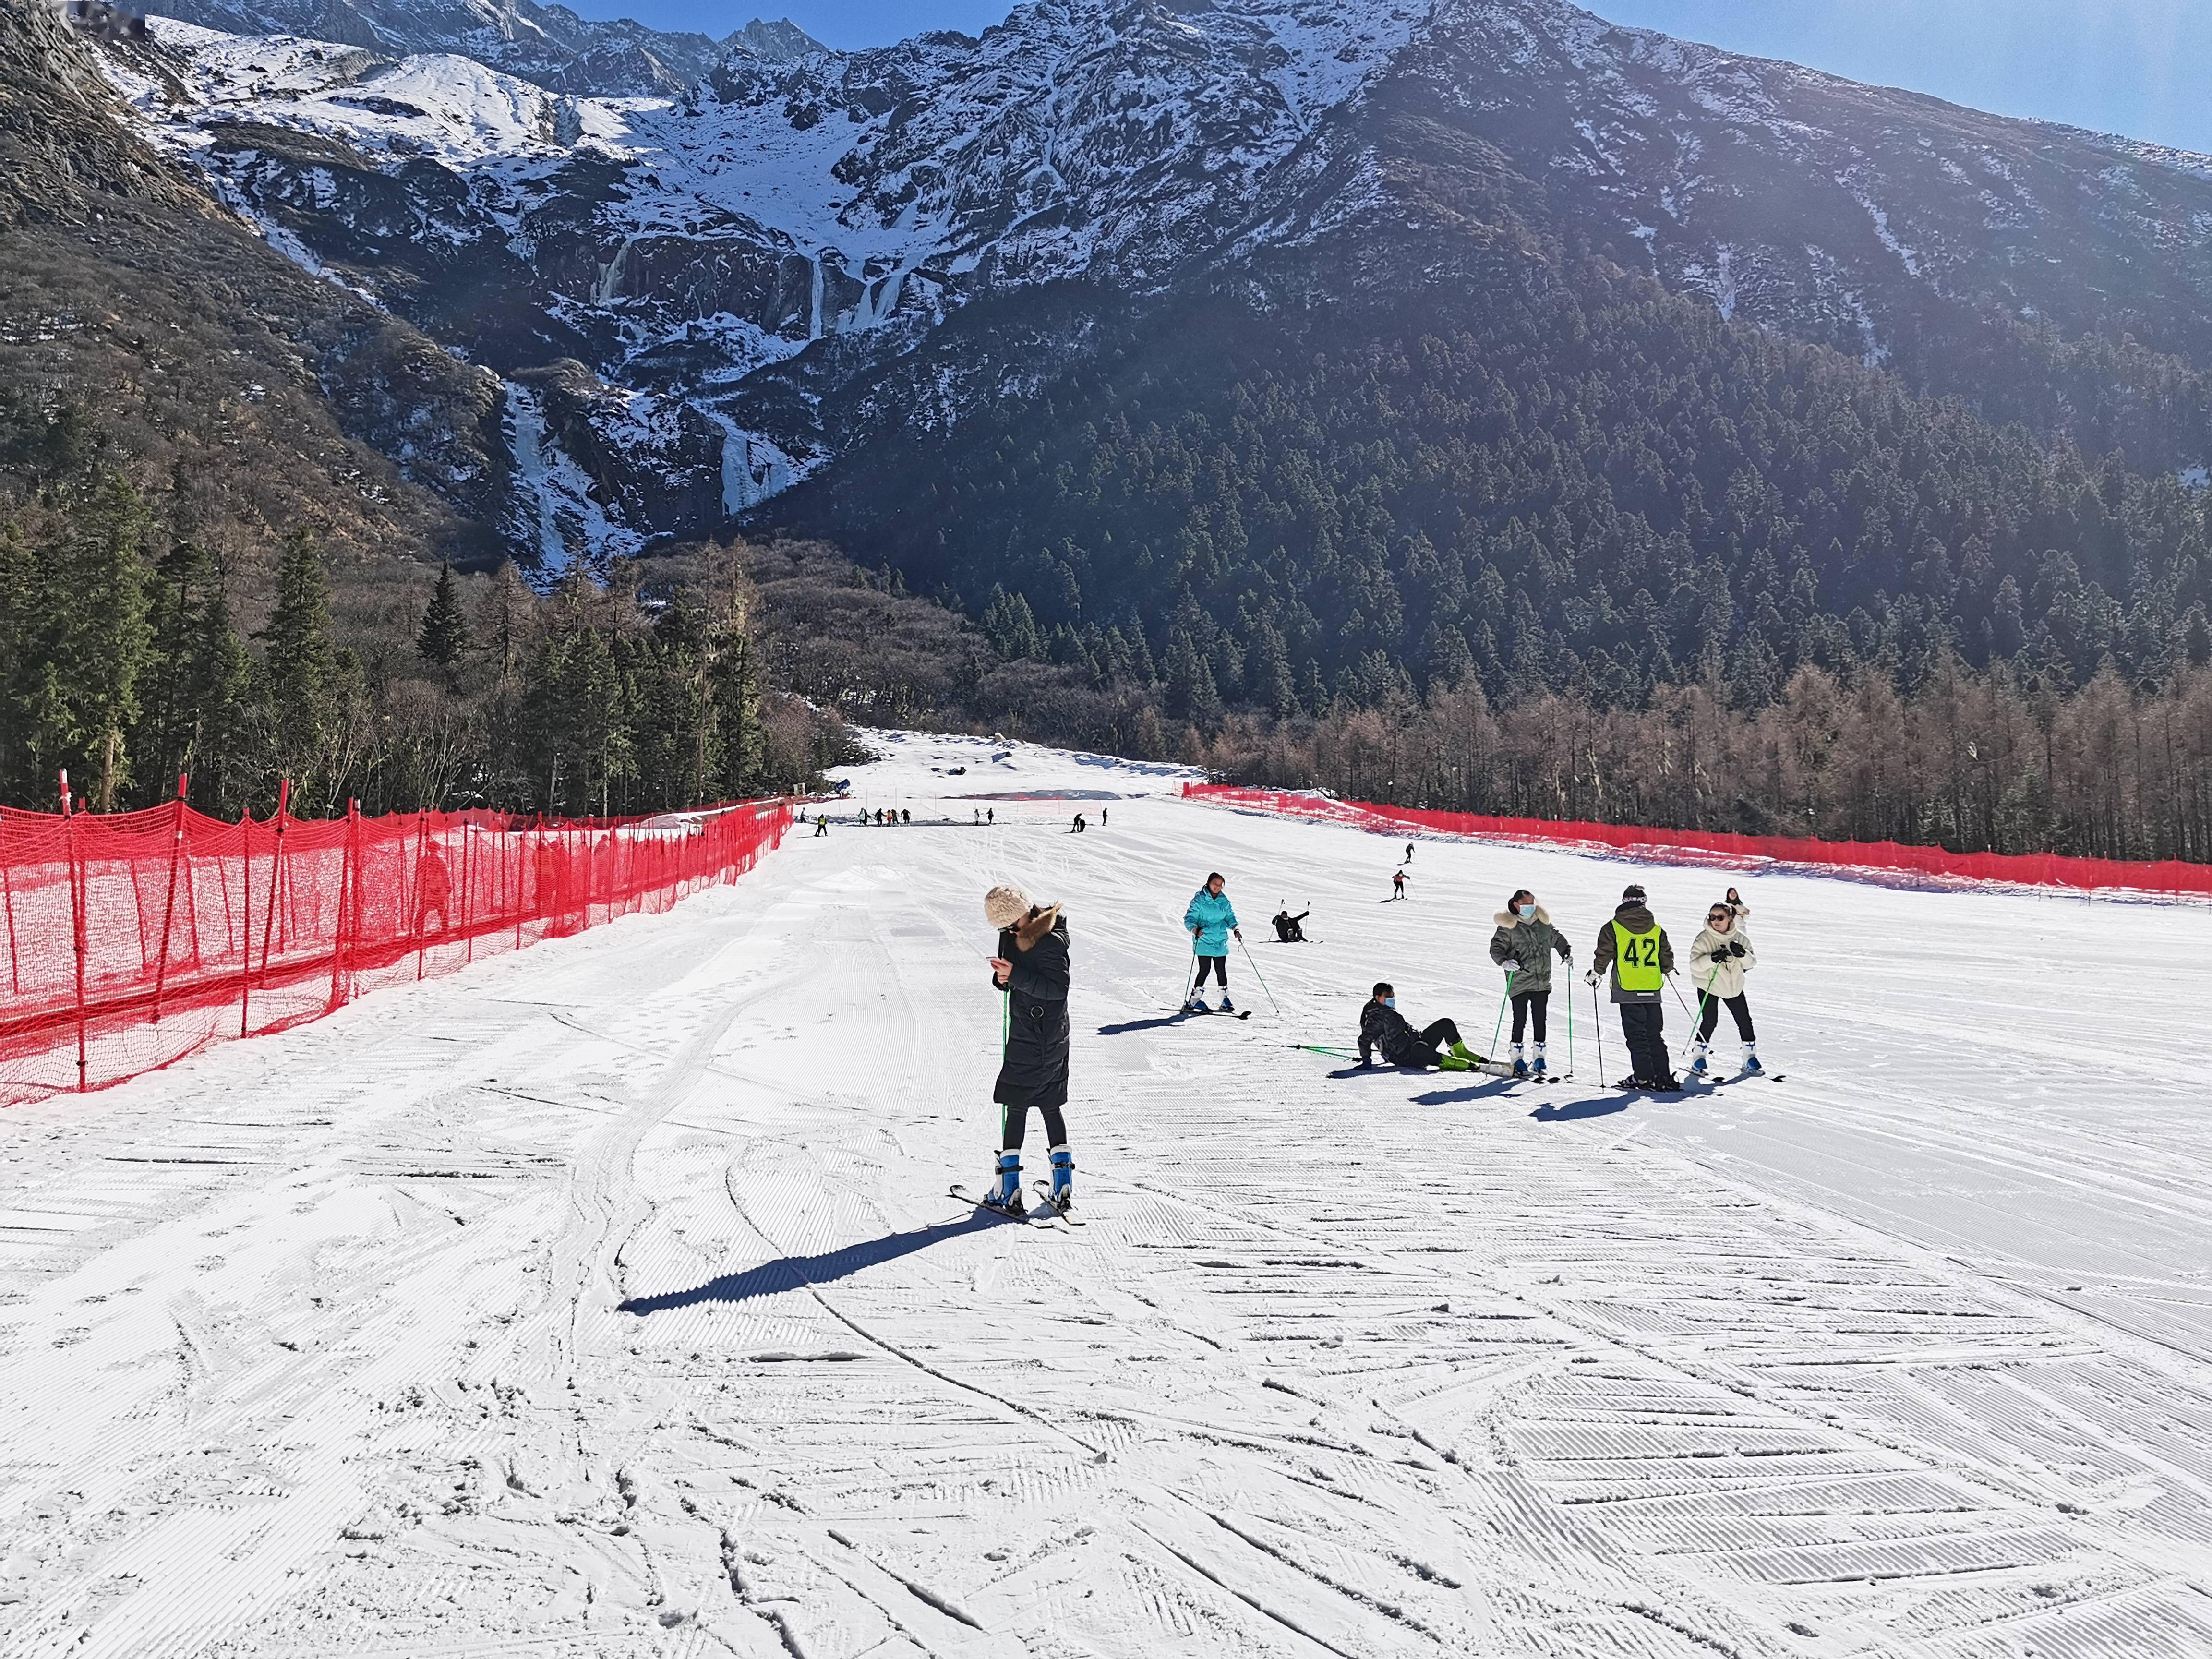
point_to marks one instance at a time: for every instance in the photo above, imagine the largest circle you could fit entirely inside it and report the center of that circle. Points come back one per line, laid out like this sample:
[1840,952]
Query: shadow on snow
[794,1273]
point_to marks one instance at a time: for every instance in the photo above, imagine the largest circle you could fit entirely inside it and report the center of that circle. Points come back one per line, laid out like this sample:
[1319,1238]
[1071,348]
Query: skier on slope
[1523,946]
[1637,949]
[1382,1026]
[1210,919]
[1720,956]
[1288,929]
[1077,828]
[1031,970]
[1397,883]
[1409,852]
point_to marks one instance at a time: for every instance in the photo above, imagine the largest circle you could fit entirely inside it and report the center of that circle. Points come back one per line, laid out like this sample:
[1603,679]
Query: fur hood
[1507,920]
[1031,929]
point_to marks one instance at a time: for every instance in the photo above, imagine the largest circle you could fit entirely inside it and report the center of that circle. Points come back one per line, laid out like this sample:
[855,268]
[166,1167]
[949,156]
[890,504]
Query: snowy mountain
[784,253]
[549,44]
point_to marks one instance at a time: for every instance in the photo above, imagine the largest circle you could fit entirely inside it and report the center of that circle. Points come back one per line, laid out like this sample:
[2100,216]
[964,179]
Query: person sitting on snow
[1286,925]
[1382,1026]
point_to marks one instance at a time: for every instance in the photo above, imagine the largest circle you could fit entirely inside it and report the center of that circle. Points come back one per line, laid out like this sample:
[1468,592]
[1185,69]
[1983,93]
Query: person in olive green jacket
[1523,946]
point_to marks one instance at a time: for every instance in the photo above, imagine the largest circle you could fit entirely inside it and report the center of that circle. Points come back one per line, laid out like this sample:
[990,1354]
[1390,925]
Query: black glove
[1735,948]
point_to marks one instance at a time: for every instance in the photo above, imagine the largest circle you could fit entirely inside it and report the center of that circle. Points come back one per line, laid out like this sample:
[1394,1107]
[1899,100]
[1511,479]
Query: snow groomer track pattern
[603,1298]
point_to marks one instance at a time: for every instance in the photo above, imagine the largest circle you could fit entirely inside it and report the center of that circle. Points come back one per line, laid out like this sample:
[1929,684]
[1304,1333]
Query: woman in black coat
[1031,969]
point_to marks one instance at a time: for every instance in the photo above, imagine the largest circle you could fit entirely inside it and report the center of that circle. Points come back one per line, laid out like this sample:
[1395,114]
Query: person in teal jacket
[1211,919]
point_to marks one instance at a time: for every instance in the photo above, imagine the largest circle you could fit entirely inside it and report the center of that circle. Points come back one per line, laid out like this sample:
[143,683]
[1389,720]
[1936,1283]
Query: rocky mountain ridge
[549,44]
[749,280]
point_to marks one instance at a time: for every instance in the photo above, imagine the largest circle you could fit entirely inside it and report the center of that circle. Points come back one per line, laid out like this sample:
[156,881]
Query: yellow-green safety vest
[1636,959]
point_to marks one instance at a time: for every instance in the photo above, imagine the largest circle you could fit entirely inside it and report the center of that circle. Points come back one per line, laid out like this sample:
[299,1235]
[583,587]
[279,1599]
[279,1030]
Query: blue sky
[2132,66]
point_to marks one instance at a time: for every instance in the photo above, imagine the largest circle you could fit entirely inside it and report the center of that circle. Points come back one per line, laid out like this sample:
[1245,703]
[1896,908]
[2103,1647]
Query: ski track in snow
[605,1299]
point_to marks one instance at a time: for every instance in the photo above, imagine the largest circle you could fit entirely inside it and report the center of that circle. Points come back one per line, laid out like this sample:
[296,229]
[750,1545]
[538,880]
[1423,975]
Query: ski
[1235,1013]
[1000,1210]
[1052,1212]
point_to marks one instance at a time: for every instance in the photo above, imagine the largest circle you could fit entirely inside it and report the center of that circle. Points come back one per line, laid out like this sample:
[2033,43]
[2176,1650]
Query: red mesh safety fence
[135,939]
[2166,877]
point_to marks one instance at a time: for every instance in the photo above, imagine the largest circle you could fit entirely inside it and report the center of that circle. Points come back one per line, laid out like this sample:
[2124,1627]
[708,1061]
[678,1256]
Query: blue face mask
[1390,1002]
[1527,913]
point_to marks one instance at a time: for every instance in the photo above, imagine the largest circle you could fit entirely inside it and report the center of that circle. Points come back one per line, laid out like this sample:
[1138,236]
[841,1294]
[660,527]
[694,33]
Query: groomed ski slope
[606,1300]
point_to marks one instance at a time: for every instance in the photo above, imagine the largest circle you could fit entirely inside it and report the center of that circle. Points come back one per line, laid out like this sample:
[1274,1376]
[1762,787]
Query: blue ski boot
[1536,1069]
[1520,1066]
[1227,1007]
[1700,1052]
[1062,1196]
[1751,1058]
[1006,1193]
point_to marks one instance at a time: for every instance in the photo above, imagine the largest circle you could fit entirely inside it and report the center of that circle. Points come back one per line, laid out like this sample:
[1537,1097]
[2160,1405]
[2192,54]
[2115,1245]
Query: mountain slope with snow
[605,1298]
[769,238]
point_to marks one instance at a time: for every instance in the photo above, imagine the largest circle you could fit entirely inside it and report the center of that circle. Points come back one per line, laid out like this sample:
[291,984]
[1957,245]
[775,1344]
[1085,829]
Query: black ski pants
[1440,1031]
[1528,1010]
[1644,1025]
[1018,1123]
[1739,1005]
[1218,966]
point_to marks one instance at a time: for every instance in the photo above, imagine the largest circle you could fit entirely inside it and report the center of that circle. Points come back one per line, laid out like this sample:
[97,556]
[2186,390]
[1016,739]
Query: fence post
[276,870]
[7,904]
[421,844]
[169,904]
[349,877]
[469,947]
[76,923]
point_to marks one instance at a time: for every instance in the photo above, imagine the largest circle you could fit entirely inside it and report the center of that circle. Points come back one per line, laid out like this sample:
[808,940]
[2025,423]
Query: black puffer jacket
[1390,1031]
[1035,1070]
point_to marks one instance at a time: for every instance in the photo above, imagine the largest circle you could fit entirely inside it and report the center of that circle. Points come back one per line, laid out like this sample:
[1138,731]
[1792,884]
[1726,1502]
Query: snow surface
[605,1298]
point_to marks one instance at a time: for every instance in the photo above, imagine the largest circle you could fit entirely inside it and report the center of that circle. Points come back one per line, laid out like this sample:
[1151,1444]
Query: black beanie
[1633,891]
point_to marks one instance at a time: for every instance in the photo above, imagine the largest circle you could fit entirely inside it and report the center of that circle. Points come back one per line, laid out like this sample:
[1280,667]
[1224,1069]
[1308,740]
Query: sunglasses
[1719,915]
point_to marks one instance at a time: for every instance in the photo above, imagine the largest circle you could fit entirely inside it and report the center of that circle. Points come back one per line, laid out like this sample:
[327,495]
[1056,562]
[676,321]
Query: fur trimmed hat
[1005,905]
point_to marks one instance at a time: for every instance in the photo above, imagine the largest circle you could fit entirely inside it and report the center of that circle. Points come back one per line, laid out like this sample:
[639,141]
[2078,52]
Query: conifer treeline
[121,659]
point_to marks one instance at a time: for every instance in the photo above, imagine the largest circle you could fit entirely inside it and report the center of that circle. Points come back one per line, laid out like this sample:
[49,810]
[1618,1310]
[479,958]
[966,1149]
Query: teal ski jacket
[1213,918]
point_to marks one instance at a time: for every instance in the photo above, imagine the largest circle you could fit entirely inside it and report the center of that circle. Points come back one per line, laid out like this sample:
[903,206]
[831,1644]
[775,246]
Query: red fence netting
[2168,877]
[136,939]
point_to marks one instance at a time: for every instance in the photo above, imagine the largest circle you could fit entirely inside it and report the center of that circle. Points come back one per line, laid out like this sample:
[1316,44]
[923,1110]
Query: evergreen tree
[445,634]
[81,640]
[198,691]
[303,690]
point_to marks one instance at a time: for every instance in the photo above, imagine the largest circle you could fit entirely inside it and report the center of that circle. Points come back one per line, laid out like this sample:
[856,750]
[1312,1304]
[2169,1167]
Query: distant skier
[1382,1026]
[1079,828]
[1287,929]
[1031,969]
[1523,946]
[1720,956]
[821,825]
[1210,919]
[1101,818]
[1409,852]
[433,889]
[906,815]
[1636,948]
[990,816]
[1397,883]
[978,811]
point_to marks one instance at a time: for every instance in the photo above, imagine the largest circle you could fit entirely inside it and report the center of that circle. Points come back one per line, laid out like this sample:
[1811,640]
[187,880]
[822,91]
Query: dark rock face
[657,461]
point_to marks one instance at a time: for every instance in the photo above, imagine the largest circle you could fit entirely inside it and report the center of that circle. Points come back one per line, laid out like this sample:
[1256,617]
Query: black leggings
[1220,965]
[1018,1123]
[1529,1008]
[1739,1005]
[1441,1031]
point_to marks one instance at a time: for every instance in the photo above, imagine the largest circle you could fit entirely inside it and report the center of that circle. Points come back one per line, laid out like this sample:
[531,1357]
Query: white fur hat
[1005,905]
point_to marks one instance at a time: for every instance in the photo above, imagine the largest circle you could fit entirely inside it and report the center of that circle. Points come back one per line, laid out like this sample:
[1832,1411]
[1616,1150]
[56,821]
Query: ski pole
[1597,1019]
[1499,1025]
[1697,1028]
[1255,967]
[1571,1032]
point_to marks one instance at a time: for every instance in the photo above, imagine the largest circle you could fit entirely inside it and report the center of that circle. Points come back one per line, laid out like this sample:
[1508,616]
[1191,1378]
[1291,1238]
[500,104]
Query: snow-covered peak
[550,44]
